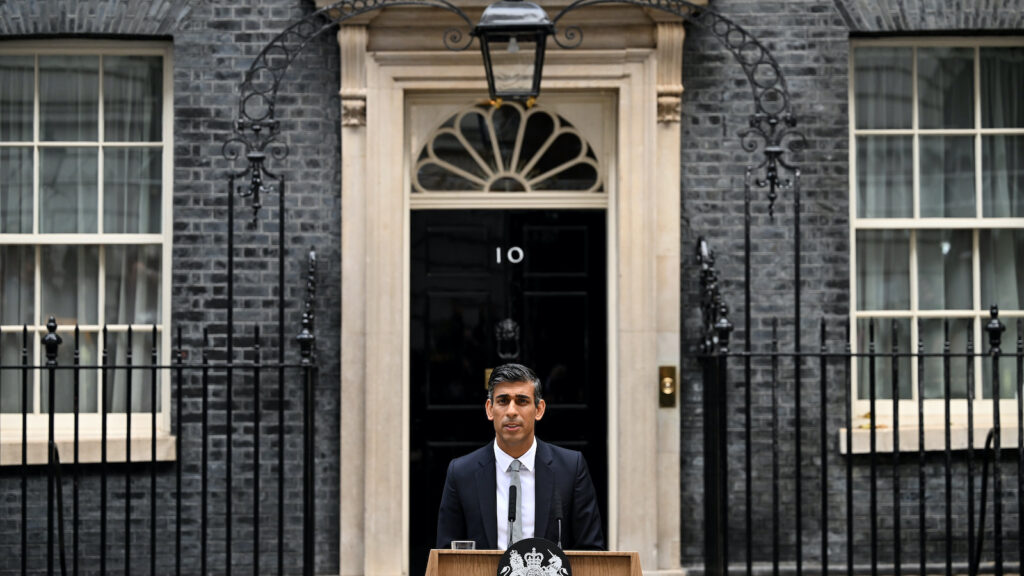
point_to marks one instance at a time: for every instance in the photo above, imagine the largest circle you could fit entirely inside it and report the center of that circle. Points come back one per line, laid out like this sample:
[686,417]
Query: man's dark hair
[514,373]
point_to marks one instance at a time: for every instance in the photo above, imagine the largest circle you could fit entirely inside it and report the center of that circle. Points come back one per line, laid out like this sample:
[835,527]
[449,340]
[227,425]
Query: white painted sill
[934,437]
[89,449]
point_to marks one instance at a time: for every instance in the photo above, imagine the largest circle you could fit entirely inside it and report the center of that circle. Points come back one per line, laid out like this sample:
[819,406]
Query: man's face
[514,413]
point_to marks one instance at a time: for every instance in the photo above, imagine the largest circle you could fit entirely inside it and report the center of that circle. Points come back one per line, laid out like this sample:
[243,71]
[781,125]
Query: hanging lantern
[512,36]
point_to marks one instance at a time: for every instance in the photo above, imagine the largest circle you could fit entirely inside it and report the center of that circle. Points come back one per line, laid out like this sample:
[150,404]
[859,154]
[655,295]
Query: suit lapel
[486,488]
[545,484]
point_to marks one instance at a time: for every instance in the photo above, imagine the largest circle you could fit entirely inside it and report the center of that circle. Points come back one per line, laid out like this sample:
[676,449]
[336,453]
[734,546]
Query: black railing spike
[58,481]
[723,328]
[52,341]
[307,336]
[995,329]
[979,537]
[24,449]
[948,446]
[714,311]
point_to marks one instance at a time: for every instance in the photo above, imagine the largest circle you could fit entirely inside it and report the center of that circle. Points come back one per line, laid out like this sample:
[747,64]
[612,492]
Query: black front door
[496,286]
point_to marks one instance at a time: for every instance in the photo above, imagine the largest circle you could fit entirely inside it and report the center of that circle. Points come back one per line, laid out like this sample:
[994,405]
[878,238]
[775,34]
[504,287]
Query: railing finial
[52,341]
[715,312]
[995,329]
[307,336]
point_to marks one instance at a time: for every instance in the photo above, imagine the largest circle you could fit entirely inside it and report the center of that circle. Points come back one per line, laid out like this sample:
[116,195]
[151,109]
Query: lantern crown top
[514,15]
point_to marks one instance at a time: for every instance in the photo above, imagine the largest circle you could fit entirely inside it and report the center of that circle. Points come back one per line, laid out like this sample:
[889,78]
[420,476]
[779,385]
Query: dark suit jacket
[468,505]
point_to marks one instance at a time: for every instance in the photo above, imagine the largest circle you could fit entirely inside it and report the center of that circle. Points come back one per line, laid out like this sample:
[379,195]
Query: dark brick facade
[215,40]
[915,16]
[810,39]
[213,44]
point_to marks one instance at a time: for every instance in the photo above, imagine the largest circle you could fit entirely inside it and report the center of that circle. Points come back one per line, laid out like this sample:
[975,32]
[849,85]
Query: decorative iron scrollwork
[773,136]
[568,37]
[257,128]
[772,125]
[455,39]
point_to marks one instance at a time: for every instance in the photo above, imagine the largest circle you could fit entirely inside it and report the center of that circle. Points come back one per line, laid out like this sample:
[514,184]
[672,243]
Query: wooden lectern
[485,563]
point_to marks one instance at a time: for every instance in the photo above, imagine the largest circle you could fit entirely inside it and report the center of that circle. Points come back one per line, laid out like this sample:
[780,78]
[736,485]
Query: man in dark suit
[555,495]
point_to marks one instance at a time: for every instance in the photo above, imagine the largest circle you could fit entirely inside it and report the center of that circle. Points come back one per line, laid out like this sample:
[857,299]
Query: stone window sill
[89,449]
[934,438]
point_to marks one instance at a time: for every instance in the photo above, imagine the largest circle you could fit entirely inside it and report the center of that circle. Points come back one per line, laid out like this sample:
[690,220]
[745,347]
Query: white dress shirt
[527,496]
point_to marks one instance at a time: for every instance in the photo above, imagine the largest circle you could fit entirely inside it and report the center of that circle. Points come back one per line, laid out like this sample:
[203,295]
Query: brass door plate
[667,386]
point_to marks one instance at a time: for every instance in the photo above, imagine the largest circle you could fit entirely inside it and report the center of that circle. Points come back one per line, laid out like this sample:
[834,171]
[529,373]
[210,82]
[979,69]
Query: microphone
[511,513]
[556,502]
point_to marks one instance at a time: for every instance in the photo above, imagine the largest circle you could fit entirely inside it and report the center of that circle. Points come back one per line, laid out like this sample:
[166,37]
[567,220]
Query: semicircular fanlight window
[506,149]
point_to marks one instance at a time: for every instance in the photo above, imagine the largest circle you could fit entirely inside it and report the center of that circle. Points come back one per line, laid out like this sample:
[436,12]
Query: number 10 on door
[514,255]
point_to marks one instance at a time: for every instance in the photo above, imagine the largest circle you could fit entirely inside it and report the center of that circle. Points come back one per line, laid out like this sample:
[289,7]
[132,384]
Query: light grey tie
[517,528]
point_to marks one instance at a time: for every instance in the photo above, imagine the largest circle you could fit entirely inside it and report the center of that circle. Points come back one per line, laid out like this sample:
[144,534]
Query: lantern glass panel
[513,61]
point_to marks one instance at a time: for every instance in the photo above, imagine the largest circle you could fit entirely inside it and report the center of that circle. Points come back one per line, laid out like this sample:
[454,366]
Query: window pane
[1002,269]
[17,75]
[70,278]
[513,63]
[67,195]
[932,333]
[1007,365]
[16,190]
[1003,176]
[449,148]
[474,128]
[116,392]
[131,190]
[883,87]
[132,96]
[506,130]
[883,269]
[944,269]
[64,384]
[947,177]
[1002,75]
[883,342]
[69,98]
[17,264]
[10,380]
[133,284]
[945,87]
[885,177]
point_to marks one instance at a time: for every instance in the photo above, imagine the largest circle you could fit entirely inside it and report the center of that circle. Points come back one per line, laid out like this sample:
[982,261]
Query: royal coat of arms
[534,557]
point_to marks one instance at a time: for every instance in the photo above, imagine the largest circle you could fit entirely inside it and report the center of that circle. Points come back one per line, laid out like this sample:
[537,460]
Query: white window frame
[90,424]
[934,408]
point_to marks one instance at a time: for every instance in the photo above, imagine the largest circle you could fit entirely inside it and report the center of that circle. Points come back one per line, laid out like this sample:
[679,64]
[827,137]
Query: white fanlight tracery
[506,149]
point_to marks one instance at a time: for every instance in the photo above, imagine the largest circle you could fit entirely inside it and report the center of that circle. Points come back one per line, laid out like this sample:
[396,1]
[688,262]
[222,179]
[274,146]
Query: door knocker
[507,334]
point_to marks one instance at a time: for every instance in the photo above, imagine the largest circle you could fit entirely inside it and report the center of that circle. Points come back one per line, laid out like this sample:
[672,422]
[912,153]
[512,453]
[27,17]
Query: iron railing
[127,509]
[932,526]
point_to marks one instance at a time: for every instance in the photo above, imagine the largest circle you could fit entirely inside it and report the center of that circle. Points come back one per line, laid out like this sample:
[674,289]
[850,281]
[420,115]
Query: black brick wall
[810,39]
[903,16]
[68,17]
[214,41]
[213,44]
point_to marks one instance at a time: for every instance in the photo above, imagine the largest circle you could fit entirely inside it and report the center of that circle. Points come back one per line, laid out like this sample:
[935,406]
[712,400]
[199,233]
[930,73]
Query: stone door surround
[397,53]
